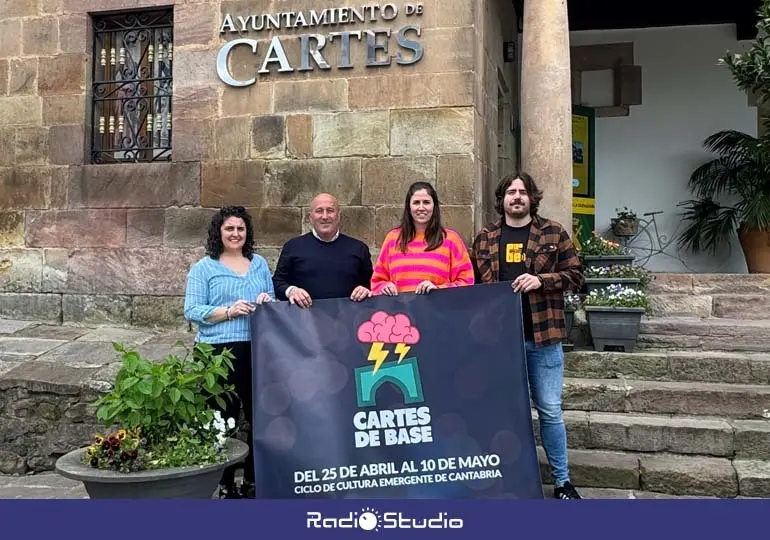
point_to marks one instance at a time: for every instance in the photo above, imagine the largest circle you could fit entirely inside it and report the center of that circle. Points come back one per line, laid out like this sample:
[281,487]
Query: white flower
[231,423]
[218,423]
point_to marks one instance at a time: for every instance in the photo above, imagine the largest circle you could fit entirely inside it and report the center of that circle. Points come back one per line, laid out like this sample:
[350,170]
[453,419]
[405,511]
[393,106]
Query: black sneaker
[248,490]
[229,492]
[567,491]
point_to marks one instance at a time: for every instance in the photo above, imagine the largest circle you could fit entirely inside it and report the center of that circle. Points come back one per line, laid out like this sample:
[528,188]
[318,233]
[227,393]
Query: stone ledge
[710,284]
[681,305]
[598,469]
[656,397]
[50,376]
[711,333]
[648,433]
[94,310]
[33,307]
[662,365]
[660,474]
[741,306]
[688,475]
[753,478]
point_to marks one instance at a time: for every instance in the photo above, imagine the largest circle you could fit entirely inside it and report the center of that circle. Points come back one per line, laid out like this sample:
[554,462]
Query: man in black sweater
[323,263]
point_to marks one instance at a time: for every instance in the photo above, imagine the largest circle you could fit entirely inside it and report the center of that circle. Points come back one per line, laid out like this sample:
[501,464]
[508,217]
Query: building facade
[126,122]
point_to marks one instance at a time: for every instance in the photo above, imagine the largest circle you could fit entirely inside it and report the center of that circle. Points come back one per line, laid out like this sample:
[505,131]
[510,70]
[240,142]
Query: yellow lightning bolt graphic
[377,355]
[402,349]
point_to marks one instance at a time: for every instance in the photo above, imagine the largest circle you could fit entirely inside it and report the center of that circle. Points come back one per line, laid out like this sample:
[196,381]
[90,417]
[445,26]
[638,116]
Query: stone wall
[112,243]
[496,105]
[41,423]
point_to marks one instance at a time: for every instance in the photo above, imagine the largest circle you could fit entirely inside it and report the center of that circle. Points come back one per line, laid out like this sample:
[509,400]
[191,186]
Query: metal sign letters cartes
[313,45]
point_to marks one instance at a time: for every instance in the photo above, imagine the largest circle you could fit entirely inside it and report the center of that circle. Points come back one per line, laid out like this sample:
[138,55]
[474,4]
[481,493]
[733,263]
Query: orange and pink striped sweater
[449,265]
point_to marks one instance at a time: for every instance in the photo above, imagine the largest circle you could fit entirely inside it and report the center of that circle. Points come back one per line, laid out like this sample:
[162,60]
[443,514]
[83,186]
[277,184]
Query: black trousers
[240,378]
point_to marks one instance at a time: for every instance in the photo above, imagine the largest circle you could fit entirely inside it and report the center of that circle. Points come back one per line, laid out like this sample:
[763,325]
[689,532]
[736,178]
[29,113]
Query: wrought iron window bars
[132,87]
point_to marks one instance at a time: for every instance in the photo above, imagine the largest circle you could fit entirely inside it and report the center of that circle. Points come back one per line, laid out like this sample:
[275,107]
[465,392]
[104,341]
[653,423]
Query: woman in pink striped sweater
[421,255]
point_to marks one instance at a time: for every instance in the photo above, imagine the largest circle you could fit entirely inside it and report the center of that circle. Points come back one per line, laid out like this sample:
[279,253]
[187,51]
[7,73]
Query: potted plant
[740,171]
[614,316]
[164,439]
[599,277]
[626,224]
[598,251]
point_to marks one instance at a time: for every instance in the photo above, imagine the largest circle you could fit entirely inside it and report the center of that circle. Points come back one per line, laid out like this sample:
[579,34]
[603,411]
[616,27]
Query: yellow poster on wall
[581,153]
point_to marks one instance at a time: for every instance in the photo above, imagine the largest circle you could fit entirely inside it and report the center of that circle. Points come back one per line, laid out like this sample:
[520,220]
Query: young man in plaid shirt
[538,257]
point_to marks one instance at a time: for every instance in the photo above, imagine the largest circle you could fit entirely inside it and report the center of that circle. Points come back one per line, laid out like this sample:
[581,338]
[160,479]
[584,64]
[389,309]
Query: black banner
[394,397]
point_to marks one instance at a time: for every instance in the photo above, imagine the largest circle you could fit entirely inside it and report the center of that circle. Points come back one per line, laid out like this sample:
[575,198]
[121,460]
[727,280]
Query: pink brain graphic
[385,328]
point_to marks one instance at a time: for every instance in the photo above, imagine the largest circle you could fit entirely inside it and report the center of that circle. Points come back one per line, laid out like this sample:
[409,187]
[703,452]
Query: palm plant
[740,171]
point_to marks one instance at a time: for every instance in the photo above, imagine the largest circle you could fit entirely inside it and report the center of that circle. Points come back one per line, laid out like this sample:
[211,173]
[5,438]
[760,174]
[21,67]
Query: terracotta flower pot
[756,249]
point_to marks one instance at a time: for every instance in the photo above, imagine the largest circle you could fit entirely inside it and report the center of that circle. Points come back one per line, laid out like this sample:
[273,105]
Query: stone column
[546,112]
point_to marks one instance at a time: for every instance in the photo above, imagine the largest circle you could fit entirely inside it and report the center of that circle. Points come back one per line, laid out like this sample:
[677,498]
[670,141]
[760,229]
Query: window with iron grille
[132,87]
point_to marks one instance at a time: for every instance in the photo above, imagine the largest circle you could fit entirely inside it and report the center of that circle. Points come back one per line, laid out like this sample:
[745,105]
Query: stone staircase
[687,413]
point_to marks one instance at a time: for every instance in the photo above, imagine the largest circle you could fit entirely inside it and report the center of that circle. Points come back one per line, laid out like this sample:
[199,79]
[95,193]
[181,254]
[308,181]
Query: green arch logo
[404,375]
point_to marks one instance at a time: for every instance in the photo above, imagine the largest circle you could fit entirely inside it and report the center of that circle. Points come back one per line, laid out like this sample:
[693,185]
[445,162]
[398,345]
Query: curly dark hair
[214,245]
[535,195]
[434,233]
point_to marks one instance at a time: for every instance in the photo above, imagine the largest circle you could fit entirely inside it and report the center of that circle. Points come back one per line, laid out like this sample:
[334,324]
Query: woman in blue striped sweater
[223,288]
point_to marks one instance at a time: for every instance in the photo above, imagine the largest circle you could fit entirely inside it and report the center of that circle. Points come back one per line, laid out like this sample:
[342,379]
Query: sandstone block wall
[112,243]
[496,146]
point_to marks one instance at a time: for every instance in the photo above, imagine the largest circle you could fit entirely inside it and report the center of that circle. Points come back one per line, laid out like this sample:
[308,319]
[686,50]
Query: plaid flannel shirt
[551,256]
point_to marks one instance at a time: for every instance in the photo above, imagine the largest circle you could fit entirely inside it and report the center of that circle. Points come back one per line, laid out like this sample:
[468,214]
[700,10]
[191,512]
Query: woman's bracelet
[227,313]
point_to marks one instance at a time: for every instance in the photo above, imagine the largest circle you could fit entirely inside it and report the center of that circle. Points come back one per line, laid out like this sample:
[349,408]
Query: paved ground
[40,486]
[53,486]
[76,355]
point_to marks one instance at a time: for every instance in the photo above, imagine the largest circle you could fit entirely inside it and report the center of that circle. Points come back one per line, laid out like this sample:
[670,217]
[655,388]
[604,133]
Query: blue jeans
[545,368]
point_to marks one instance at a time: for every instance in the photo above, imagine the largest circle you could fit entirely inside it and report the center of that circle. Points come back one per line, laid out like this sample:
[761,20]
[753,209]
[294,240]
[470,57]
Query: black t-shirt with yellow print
[513,255]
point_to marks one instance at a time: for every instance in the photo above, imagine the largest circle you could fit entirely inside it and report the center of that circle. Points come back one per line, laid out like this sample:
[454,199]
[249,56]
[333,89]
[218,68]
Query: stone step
[739,401]
[705,334]
[646,433]
[741,306]
[611,493]
[681,305]
[710,284]
[753,478]
[731,306]
[666,365]
[665,473]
